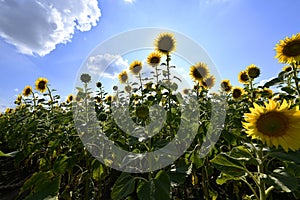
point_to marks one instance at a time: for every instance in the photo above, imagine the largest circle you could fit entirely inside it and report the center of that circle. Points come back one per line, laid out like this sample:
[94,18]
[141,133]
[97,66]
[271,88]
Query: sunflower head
[199,71]
[267,92]
[27,91]
[154,58]
[142,112]
[109,98]
[243,77]
[208,82]
[98,84]
[288,50]
[253,71]
[41,84]
[165,43]
[123,76]
[18,99]
[127,88]
[98,99]
[9,110]
[70,98]
[287,68]
[226,86]
[274,124]
[135,67]
[85,78]
[237,92]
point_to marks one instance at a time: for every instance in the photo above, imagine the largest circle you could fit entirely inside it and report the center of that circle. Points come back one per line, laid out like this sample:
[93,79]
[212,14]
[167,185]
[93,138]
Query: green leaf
[124,186]
[223,178]
[61,165]
[11,154]
[196,160]
[97,170]
[290,156]
[41,185]
[283,180]
[272,82]
[157,188]
[288,90]
[228,165]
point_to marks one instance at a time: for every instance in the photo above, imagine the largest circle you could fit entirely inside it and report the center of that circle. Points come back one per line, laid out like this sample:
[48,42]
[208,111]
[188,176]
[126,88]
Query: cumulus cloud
[106,65]
[35,27]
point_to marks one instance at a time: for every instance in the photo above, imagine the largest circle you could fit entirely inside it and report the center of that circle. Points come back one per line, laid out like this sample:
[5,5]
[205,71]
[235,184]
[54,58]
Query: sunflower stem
[169,83]
[294,66]
[251,188]
[260,169]
[140,78]
[50,95]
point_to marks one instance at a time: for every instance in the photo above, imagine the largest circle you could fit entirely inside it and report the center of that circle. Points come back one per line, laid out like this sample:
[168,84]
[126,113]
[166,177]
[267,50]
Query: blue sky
[53,38]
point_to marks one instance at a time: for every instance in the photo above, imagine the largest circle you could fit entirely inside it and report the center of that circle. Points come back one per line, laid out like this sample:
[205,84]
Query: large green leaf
[283,180]
[124,186]
[229,165]
[289,156]
[157,188]
[223,178]
[41,185]
[60,165]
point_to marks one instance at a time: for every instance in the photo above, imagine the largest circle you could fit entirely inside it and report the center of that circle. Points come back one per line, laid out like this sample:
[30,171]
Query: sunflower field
[256,156]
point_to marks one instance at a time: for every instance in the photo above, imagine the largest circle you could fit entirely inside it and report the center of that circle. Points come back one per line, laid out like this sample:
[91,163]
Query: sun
[288,50]
[274,124]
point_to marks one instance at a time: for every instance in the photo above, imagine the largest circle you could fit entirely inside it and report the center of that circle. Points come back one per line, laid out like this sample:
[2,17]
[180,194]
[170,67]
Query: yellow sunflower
[243,77]
[41,84]
[288,50]
[253,71]
[27,91]
[287,68]
[199,71]
[70,98]
[123,76]
[237,92]
[135,67]
[165,43]
[18,99]
[274,124]
[226,86]
[208,82]
[153,59]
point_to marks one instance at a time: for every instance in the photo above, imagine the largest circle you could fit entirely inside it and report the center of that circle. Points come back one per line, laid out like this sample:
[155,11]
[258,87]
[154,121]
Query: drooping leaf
[124,186]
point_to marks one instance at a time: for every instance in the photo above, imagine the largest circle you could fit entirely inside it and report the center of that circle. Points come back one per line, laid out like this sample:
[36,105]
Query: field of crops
[48,144]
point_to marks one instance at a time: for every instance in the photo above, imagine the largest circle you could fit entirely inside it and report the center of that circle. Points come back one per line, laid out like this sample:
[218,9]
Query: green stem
[295,73]
[252,91]
[260,169]
[50,95]
[140,77]
[169,83]
[251,188]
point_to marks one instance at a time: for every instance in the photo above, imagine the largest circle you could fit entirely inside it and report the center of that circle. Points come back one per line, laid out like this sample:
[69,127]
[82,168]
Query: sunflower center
[154,60]
[165,44]
[272,124]
[42,85]
[292,48]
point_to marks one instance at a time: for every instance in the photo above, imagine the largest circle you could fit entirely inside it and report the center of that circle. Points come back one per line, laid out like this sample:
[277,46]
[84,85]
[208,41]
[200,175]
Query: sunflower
[243,77]
[165,43]
[237,92]
[123,76]
[9,110]
[267,92]
[128,88]
[153,59]
[27,91]
[109,98]
[199,71]
[70,98]
[208,82]
[41,84]
[18,99]
[98,99]
[85,78]
[274,124]
[99,84]
[253,71]
[288,50]
[287,68]
[226,86]
[135,67]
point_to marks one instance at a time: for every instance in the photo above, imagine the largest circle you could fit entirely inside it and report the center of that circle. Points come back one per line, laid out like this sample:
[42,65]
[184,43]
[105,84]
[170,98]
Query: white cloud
[129,1]
[107,65]
[16,89]
[37,26]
